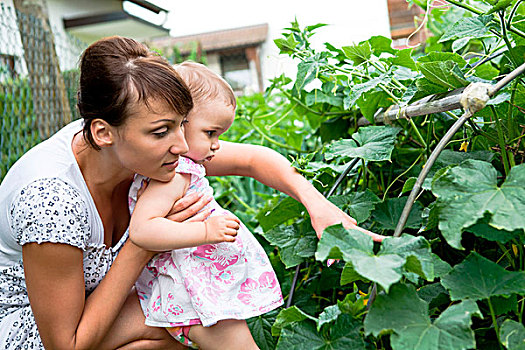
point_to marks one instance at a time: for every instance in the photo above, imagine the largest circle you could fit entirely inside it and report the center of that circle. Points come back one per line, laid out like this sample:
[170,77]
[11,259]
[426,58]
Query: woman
[66,265]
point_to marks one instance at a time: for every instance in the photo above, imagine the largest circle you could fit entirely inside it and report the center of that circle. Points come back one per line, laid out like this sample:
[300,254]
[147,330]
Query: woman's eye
[183,122]
[161,133]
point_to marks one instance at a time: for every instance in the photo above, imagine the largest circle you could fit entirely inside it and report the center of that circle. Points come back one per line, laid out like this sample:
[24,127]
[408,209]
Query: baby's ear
[102,132]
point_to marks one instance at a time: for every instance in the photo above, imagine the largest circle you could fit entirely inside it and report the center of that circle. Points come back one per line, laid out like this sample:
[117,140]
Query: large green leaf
[344,334]
[404,58]
[294,244]
[443,56]
[288,316]
[373,143]
[479,278]
[443,73]
[387,214]
[403,312]
[359,205]
[260,328]
[286,209]
[357,248]
[358,53]
[512,335]
[416,251]
[380,44]
[471,27]
[467,191]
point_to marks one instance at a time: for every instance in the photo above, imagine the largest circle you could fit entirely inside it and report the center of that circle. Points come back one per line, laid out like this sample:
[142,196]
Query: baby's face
[206,122]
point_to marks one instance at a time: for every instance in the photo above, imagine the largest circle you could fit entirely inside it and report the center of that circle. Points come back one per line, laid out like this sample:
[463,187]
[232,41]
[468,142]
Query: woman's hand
[187,208]
[328,214]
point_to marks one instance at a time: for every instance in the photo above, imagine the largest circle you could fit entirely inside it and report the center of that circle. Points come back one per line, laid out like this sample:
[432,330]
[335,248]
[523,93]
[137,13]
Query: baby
[215,274]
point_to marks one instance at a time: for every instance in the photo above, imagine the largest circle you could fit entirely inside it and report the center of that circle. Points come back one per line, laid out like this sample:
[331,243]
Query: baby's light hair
[204,83]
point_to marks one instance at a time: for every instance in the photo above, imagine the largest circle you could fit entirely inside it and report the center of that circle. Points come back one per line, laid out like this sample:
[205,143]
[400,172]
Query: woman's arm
[272,169]
[150,229]
[55,285]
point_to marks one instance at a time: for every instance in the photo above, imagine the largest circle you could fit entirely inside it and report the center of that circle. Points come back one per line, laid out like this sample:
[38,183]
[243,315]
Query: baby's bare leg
[226,334]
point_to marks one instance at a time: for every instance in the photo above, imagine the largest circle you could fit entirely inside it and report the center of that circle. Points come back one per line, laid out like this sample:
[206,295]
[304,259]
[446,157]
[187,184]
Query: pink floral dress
[208,283]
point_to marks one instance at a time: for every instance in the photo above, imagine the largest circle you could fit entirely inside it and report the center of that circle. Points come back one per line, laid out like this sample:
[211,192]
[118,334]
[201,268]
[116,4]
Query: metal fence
[38,82]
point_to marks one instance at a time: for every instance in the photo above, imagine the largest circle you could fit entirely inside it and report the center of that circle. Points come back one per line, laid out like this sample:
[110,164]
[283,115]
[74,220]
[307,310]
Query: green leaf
[380,44]
[294,244]
[443,73]
[425,87]
[500,5]
[416,248]
[358,90]
[486,71]
[353,304]
[409,184]
[512,335]
[404,58]
[349,274]
[403,312]
[260,328]
[317,96]
[387,214]
[369,102]
[286,45]
[344,334]
[472,27]
[479,278]
[443,56]
[286,209]
[338,242]
[355,247]
[359,205]
[328,315]
[358,53]
[467,191]
[373,143]
[288,316]
[484,230]
[307,71]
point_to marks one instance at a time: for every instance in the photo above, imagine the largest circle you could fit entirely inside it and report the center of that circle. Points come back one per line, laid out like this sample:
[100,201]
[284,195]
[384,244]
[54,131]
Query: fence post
[50,102]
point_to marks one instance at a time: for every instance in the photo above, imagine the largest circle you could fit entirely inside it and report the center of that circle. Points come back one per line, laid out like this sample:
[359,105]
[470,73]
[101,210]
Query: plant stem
[466,7]
[512,12]
[271,140]
[494,322]
[249,209]
[300,103]
[400,175]
[501,141]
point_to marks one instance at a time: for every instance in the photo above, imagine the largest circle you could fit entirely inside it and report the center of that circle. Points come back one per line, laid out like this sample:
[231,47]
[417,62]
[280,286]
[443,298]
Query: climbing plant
[455,277]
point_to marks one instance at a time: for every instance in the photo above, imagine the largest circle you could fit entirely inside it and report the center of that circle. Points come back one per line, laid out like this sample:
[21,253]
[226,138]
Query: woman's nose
[179,143]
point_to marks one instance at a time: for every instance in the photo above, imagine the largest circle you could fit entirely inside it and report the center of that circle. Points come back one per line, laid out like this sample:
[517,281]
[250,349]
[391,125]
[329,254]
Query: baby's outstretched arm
[150,229]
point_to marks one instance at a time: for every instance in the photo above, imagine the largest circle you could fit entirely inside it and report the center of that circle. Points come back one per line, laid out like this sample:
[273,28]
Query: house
[232,53]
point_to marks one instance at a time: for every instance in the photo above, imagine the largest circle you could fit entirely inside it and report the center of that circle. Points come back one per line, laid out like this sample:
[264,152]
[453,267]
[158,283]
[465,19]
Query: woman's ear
[102,133]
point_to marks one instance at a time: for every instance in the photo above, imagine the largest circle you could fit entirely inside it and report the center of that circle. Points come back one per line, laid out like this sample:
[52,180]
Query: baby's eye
[183,122]
[210,132]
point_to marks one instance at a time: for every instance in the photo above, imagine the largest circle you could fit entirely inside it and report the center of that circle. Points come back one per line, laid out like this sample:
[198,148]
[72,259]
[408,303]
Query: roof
[218,40]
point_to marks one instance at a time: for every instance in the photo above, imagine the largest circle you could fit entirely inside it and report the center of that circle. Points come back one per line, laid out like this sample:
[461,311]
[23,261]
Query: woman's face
[150,141]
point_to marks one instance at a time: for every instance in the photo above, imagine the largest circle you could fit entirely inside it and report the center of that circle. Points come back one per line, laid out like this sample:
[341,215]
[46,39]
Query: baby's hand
[221,228]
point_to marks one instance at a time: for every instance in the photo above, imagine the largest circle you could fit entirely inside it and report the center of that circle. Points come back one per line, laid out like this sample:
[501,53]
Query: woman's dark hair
[116,73]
